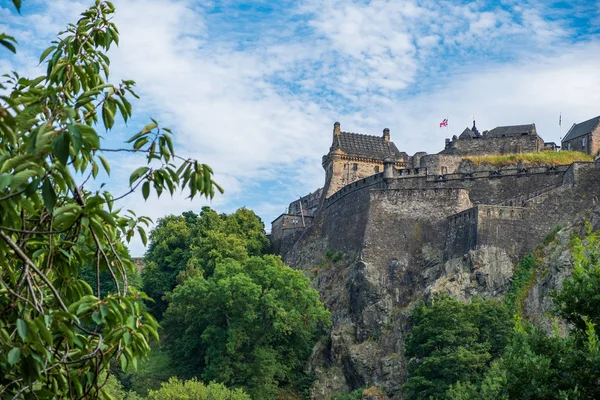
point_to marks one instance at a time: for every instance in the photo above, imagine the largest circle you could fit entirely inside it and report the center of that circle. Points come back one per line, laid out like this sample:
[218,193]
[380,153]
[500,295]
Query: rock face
[371,313]
[371,303]
[554,265]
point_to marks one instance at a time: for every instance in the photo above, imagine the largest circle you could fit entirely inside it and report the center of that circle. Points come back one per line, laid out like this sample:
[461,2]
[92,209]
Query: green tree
[194,390]
[251,325]
[536,365]
[200,242]
[58,335]
[453,341]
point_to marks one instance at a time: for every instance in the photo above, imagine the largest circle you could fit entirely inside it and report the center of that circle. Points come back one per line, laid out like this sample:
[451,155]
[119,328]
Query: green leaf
[97,317]
[5,181]
[48,195]
[106,216]
[150,126]
[17,4]
[22,329]
[137,174]
[108,116]
[76,138]
[146,190]
[140,142]
[14,355]
[105,164]
[61,147]
[6,40]
[21,177]
[46,52]
[43,330]
[143,235]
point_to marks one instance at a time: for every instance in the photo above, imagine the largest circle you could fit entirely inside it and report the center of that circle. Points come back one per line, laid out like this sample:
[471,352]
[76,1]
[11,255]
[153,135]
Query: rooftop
[512,130]
[583,128]
[356,144]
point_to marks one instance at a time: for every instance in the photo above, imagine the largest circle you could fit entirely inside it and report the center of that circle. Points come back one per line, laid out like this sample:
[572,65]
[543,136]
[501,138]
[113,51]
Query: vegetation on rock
[533,364]
[453,341]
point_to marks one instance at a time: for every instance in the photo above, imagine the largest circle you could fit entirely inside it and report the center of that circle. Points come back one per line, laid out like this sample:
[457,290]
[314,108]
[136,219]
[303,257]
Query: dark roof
[513,130]
[582,128]
[356,144]
[467,134]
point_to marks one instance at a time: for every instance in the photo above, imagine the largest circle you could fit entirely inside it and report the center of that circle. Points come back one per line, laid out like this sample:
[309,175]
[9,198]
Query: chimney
[336,129]
[386,134]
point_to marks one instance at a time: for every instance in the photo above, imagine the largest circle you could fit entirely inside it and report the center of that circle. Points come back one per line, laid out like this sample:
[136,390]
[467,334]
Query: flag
[444,123]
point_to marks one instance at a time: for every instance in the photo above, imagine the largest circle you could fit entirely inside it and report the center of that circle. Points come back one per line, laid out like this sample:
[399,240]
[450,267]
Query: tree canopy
[249,324]
[199,242]
[453,341]
[58,335]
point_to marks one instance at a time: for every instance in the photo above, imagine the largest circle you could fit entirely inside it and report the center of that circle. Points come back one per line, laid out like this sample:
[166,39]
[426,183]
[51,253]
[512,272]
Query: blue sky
[253,88]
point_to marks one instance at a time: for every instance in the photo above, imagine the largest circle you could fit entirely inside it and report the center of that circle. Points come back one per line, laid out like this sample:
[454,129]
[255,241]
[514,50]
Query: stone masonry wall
[488,187]
[346,171]
[285,228]
[495,145]
[438,164]
[461,233]
[402,222]
[503,227]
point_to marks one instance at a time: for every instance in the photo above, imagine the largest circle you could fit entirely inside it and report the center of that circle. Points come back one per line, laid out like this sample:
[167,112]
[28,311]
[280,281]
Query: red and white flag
[444,123]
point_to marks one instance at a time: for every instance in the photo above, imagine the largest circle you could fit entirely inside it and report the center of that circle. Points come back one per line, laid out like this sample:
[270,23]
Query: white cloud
[261,112]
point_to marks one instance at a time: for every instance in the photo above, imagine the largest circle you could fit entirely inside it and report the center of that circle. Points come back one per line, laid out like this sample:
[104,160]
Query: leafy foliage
[150,374]
[194,390]
[536,365]
[58,335]
[453,341]
[523,278]
[353,395]
[198,241]
[249,324]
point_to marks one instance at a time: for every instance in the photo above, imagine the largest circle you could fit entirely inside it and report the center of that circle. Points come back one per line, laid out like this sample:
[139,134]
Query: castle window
[583,142]
[444,170]
[355,167]
[569,146]
[377,169]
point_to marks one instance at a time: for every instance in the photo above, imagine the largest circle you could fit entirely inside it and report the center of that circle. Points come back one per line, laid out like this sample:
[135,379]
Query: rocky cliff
[372,290]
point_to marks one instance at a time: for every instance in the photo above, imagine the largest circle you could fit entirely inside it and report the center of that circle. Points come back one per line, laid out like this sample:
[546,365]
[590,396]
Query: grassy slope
[532,159]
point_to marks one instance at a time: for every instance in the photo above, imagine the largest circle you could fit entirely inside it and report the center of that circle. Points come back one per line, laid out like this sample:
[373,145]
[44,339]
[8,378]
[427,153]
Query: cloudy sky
[253,88]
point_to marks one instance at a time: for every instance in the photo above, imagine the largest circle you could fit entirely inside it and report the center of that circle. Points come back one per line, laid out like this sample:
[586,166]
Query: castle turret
[336,129]
[386,134]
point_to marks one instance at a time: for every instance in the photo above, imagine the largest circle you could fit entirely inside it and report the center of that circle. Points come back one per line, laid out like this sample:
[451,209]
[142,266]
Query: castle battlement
[377,200]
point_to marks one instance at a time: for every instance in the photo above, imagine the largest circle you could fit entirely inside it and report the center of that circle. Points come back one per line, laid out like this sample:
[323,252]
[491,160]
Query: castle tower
[354,156]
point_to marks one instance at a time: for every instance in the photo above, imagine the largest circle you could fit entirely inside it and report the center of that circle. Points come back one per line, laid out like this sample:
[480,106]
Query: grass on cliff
[532,159]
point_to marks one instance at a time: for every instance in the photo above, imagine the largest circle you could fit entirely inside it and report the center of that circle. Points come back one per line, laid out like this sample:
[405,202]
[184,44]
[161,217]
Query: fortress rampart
[495,145]
[512,208]
[440,203]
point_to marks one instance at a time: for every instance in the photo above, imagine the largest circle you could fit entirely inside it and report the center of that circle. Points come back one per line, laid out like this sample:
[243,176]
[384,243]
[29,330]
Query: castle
[381,202]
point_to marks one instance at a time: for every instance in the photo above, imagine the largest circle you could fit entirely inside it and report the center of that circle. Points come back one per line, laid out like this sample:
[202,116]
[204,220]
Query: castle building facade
[584,137]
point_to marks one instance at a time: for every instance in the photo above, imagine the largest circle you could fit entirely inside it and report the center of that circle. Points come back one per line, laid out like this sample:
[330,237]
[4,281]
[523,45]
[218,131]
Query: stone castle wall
[286,229]
[491,186]
[494,145]
[514,209]
[346,170]
[403,221]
